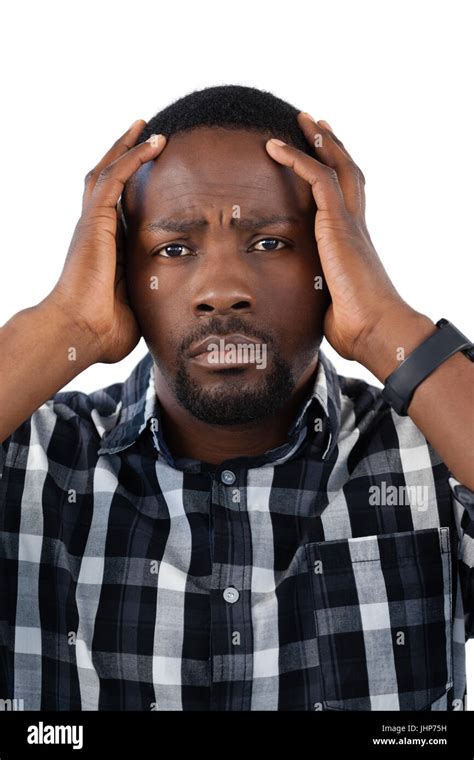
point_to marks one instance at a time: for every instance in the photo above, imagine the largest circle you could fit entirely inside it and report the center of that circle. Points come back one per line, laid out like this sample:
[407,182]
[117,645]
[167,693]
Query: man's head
[220,242]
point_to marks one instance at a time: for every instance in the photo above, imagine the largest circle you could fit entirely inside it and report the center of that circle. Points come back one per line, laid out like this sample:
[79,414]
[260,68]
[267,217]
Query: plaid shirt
[335,572]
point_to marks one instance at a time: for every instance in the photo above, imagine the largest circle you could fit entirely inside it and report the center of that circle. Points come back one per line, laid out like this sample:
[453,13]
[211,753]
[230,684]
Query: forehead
[209,169]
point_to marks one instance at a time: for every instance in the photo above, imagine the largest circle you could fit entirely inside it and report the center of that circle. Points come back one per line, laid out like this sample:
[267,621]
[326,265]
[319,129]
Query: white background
[393,79]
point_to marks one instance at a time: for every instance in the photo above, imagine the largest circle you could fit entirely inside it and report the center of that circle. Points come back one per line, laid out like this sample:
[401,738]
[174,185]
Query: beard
[233,402]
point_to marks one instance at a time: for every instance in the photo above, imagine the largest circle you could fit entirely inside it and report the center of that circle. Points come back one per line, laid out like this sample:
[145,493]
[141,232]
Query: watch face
[467,350]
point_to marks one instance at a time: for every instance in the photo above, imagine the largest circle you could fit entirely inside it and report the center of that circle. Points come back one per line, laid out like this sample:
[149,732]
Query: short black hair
[233,107]
[230,106]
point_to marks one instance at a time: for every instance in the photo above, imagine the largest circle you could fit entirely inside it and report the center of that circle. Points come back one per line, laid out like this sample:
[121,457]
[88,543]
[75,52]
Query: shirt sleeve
[463,504]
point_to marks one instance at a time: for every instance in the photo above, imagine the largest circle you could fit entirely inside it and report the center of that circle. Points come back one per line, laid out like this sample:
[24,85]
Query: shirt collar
[139,406]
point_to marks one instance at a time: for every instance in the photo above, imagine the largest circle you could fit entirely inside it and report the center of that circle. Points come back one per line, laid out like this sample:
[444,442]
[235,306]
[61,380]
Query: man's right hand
[91,290]
[86,318]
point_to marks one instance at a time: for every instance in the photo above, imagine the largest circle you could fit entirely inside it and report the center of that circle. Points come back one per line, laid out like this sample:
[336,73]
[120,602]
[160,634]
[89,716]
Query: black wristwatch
[401,384]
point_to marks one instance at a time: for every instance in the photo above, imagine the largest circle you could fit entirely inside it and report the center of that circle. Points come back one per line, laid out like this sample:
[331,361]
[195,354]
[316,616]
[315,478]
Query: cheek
[297,305]
[155,307]
[297,288]
[299,329]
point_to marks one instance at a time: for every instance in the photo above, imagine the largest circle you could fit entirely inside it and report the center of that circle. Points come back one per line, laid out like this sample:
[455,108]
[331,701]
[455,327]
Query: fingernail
[325,124]
[305,113]
[155,140]
[134,123]
[277,142]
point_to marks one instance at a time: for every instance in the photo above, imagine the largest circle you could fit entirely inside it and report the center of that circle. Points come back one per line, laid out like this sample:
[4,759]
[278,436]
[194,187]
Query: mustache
[226,326]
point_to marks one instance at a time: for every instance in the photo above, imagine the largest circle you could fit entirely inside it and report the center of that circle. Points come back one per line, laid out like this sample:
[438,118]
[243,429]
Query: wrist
[68,334]
[387,343]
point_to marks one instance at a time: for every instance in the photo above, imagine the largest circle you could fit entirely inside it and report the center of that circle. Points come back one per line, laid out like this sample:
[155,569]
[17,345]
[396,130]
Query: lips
[235,340]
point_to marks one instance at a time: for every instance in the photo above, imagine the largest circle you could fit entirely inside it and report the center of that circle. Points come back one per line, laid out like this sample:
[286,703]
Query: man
[234,527]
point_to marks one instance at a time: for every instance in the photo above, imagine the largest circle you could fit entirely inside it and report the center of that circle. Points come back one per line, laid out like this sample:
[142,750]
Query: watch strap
[401,384]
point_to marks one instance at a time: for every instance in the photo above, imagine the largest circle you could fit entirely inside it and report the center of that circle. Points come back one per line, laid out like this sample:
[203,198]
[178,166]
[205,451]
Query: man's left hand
[363,297]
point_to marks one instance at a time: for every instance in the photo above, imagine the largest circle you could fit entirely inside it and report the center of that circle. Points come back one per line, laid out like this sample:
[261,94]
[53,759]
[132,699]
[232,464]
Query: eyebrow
[187,225]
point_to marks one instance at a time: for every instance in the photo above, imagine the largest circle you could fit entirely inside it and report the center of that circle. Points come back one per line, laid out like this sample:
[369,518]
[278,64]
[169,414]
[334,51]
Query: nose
[225,290]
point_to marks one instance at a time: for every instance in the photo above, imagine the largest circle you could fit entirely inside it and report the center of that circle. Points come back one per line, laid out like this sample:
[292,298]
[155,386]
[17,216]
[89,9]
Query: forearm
[442,406]
[40,351]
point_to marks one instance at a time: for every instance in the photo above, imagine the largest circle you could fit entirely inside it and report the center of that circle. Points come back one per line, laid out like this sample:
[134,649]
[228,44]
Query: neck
[187,436]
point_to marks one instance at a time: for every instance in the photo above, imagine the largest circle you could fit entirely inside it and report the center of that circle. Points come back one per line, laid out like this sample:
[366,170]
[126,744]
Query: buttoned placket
[230,630]
[231,622]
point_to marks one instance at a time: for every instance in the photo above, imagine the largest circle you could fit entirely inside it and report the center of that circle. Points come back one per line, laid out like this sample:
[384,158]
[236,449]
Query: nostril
[241,305]
[221,307]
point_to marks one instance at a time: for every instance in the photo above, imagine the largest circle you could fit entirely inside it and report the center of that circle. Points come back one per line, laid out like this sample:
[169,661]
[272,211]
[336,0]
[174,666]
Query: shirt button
[231,595]
[228,477]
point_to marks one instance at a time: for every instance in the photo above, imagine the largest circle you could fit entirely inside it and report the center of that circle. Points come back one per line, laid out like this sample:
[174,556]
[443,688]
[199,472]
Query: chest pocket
[382,610]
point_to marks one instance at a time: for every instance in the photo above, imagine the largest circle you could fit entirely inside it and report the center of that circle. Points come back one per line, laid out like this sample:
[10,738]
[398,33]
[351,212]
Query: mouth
[226,351]
[216,340]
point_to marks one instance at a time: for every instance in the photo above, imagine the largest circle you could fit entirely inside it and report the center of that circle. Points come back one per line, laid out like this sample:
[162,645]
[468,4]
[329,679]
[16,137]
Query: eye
[172,251]
[270,244]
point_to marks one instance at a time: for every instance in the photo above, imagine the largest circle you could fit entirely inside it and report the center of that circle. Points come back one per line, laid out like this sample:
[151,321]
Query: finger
[323,179]
[120,146]
[305,119]
[112,178]
[332,152]
[100,217]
